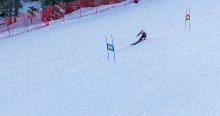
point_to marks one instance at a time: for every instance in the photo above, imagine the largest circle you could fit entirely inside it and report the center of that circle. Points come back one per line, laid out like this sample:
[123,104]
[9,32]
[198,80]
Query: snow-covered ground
[63,69]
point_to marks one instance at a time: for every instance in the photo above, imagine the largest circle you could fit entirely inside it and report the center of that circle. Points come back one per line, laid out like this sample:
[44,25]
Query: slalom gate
[187,18]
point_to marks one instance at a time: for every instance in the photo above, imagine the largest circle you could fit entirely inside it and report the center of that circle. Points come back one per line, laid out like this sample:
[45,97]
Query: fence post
[80,7]
[40,13]
[24,19]
[96,6]
[27,21]
[9,28]
[48,15]
[7,25]
[45,14]
[112,4]
[62,11]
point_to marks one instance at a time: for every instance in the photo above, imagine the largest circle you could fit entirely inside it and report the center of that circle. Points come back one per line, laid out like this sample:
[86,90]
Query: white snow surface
[63,69]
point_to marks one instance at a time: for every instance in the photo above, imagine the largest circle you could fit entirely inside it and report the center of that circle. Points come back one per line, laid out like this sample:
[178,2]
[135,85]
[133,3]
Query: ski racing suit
[144,36]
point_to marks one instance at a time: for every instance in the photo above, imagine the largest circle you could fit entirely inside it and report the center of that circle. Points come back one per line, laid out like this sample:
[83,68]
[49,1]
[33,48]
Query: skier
[144,35]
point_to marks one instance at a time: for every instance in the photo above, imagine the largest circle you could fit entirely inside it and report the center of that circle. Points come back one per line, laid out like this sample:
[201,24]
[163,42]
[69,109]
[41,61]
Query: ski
[137,42]
[134,43]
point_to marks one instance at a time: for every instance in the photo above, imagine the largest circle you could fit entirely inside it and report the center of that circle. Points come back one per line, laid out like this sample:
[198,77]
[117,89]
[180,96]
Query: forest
[11,8]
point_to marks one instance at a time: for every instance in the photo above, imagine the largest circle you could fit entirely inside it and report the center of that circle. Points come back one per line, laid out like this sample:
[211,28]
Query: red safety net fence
[24,22]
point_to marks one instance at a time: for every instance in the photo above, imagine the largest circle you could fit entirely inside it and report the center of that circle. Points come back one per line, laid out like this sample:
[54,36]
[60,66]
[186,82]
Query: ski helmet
[142,31]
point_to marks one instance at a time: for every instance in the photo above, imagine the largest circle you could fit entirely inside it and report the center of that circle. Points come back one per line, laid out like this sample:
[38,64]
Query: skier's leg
[140,39]
[143,37]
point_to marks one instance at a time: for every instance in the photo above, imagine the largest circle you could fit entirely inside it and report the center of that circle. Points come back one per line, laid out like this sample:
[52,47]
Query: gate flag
[110,47]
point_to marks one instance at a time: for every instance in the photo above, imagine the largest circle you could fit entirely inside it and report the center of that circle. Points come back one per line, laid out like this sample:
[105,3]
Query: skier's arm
[139,34]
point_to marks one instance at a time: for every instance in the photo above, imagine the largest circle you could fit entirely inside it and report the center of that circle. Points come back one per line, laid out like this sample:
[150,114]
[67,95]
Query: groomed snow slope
[62,69]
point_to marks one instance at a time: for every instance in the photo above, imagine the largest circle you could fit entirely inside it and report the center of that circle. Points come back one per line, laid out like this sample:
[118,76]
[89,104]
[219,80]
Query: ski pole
[136,39]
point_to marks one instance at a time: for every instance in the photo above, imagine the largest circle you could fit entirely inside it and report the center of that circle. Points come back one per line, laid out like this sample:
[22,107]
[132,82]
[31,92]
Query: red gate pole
[27,21]
[96,6]
[185,18]
[189,18]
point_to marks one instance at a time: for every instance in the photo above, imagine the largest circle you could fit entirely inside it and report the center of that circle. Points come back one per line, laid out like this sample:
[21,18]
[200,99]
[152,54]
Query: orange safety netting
[42,17]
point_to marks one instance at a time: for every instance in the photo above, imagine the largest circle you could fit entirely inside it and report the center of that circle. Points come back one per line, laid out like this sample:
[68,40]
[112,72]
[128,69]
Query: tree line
[11,7]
